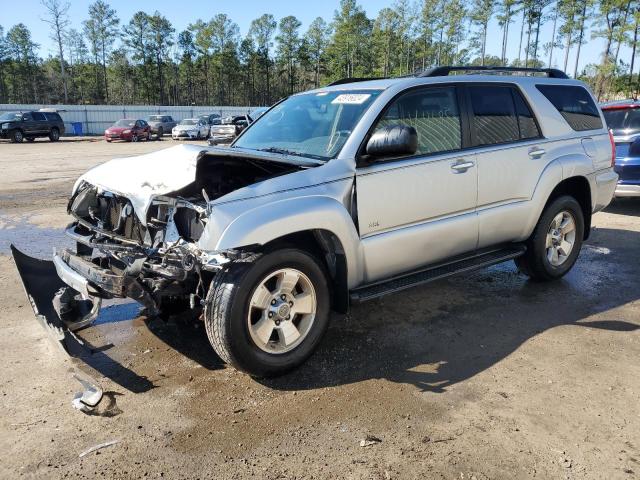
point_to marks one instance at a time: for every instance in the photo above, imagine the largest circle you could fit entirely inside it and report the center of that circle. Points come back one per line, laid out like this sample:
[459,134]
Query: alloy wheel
[561,238]
[282,311]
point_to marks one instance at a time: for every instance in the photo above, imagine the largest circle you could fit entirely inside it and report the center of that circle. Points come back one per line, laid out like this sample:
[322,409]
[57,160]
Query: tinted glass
[27,116]
[526,121]
[574,104]
[53,117]
[494,115]
[39,117]
[434,113]
[620,119]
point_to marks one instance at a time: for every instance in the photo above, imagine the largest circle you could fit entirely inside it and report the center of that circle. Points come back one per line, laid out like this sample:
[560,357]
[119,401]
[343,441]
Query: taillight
[613,148]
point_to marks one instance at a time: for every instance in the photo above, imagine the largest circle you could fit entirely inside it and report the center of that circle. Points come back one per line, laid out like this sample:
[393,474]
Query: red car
[128,130]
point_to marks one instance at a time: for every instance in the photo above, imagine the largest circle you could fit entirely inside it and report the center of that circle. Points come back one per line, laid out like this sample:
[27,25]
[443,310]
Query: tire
[148,139]
[17,136]
[231,322]
[54,135]
[134,138]
[160,132]
[539,261]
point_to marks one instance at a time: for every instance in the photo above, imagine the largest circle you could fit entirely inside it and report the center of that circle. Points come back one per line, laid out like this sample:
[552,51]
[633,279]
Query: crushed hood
[141,178]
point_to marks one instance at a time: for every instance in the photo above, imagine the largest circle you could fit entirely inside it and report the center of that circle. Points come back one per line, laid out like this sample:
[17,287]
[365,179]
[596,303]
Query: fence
[96,119]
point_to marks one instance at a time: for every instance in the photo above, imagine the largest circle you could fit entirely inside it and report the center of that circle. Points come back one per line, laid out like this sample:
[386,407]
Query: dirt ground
[487,376]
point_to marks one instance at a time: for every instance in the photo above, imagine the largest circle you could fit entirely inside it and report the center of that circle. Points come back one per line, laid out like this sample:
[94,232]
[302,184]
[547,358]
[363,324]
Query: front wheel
[266,314]
[555,244]
[17,136]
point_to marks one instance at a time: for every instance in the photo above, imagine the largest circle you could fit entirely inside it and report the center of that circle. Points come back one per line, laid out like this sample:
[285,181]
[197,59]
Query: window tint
[574,104]
[39,117]
[434,113]
[526,122]
[53,117]
[494,115]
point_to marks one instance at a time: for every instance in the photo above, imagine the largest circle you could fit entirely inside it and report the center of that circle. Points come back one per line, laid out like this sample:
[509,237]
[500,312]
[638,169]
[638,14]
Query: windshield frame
[130,123]
[376,94]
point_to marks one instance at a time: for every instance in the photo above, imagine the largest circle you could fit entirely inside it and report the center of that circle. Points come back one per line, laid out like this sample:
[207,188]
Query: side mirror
[393,140]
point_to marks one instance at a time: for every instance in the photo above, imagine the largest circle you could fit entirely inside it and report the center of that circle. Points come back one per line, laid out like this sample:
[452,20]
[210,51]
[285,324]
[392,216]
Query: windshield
[623,119]
[189,121]
[10,116]
[314,125]
[154,118]
[124,123]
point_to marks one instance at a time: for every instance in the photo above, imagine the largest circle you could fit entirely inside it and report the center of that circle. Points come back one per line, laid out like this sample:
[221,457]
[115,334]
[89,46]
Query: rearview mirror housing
[393,140]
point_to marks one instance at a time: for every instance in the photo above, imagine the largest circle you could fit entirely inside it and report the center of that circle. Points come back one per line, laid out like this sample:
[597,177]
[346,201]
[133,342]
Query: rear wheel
[266,314]
[134,138]
[555,244]
[54,135]
[17,136]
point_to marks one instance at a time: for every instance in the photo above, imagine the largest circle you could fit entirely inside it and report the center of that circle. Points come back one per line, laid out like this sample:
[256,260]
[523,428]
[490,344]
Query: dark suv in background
[19,126]
[623,118]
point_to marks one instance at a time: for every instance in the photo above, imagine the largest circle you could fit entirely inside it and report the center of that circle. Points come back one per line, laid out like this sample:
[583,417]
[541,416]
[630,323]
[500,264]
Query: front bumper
[179,135]
[44,283]
[221,139]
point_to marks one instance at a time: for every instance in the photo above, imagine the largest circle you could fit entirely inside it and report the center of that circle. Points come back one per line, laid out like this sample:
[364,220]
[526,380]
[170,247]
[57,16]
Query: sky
[181,13]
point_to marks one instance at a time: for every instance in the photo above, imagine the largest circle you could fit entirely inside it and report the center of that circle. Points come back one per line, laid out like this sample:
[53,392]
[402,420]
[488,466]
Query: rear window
[574,104]
[623,118]
[500,115]
[53,117]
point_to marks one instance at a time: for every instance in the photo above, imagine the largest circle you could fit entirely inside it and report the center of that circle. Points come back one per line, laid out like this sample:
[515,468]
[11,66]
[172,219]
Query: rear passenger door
[420,209]
[510,158]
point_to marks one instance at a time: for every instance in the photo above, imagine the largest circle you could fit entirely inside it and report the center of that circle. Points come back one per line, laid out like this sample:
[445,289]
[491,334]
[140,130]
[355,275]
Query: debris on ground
[370,440]
[98,447]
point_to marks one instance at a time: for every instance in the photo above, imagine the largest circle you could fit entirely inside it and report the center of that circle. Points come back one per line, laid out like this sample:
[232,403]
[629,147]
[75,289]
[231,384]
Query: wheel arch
[579,188]
[320,225]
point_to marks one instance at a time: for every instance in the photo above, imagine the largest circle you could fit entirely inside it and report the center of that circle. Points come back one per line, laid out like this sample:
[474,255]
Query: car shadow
[625,206]
[444,333]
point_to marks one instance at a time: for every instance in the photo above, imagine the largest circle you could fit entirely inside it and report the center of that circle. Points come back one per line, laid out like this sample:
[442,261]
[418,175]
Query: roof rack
[342,81]
[446,70]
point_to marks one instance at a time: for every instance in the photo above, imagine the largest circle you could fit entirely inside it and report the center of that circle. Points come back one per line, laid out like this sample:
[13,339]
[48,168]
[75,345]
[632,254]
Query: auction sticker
[351,98]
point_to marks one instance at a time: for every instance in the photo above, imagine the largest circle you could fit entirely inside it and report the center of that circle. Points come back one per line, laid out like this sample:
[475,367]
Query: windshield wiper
[284,151]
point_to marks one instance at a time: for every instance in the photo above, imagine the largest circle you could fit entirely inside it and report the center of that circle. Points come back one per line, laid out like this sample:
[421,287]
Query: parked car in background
[161,124]
[191,128]
[623,118]
[129,130]
[229,129]
[211,119]
[19,126]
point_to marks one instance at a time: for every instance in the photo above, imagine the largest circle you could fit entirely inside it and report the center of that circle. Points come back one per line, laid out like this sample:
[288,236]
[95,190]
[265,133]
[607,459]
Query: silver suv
[337,195]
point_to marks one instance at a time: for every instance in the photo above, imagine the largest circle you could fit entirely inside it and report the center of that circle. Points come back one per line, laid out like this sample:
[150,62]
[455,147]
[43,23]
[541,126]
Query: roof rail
[342,81]
[446,70]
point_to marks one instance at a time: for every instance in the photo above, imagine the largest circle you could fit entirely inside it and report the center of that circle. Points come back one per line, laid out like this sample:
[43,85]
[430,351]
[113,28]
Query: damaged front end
[142,245]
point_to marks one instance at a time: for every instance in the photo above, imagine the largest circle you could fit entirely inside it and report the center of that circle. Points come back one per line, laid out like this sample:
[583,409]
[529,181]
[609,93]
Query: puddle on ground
[31,239]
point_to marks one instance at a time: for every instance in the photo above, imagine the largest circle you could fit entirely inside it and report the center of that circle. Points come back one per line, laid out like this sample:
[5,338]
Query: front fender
[271,221]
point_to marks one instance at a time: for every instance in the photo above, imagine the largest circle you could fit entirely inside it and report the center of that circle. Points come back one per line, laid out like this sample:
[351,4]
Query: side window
[433,112]
[494,115]
[526,122]
[27,117]
[575,104]
[39,117]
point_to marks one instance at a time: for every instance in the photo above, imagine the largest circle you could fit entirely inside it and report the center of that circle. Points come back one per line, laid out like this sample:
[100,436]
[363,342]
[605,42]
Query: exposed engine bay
[155,258]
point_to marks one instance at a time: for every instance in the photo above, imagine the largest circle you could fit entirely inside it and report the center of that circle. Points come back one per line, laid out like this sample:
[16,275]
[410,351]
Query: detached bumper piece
[62,301]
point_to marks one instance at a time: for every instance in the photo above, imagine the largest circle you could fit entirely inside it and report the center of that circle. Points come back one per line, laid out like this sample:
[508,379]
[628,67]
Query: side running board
[420,277]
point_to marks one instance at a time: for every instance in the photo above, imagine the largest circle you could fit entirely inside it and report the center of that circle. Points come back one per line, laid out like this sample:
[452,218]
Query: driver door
[418,210]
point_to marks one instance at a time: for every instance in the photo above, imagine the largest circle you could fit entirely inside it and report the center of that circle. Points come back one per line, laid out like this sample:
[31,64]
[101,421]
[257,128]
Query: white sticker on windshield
[351,98]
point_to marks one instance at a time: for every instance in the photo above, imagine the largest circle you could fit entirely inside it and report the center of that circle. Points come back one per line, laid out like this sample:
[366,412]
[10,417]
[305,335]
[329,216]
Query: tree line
[108,60]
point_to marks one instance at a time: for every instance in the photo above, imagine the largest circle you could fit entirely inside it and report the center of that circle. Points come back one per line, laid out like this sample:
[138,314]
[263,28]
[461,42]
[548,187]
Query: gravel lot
[483,376]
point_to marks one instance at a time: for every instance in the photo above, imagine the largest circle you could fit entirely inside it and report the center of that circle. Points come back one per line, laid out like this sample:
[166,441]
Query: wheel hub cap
[561,238]
[282,310]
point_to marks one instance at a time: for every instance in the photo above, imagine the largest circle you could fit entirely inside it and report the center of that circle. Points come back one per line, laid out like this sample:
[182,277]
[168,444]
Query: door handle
[461,167]
[536,152]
